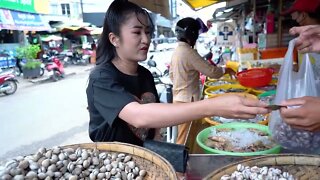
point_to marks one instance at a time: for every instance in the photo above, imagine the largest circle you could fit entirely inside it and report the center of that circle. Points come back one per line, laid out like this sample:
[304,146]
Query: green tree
[29,53]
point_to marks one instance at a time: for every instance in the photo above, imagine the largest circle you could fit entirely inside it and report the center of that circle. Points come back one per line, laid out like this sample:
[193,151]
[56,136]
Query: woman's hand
[238,107]
[231,73]
[308,39]
[305,117]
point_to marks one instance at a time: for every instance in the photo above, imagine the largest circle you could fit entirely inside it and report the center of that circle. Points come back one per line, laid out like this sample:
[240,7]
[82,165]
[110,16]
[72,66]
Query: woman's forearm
[156,115]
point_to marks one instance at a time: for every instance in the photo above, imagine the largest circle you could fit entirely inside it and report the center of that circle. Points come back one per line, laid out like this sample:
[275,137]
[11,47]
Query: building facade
[67,11]
[19,17]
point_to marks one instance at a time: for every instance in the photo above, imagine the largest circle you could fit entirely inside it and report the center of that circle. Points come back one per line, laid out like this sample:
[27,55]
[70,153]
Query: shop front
[17,19]
[22,21]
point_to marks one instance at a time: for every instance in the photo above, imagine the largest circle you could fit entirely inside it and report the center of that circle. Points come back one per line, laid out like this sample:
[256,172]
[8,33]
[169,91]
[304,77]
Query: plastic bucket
[208,90]
[257,77]
[226,76]
[231,81]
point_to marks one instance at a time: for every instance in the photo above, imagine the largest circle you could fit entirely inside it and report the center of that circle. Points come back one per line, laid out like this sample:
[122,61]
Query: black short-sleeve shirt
[108,91]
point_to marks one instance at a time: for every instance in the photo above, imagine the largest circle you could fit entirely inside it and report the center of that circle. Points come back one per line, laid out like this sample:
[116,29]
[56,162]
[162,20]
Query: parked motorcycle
[48,55]
[164,88]
[208,57]
[8,82]
[77,57]
[55,69]
[20,63]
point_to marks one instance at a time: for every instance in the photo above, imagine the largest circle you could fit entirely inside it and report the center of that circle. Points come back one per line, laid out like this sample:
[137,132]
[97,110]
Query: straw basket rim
[227,86]
[215,123]
[133,150]
[214,80]
[268,160]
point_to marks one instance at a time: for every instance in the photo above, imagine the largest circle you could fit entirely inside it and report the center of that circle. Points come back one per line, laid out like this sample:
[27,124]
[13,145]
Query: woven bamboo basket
[156,166]
[302,167]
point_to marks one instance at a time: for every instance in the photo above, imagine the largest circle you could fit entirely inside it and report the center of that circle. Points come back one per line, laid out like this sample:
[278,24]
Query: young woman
[122,99]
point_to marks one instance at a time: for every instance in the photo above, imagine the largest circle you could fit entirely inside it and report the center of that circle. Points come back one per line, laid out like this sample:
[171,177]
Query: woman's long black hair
[116,15]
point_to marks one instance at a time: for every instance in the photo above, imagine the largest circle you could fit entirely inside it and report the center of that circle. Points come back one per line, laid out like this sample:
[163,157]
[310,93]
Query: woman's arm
[158,115]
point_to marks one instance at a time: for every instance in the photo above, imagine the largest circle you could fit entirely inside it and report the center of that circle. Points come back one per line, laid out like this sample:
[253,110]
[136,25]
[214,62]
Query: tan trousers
[182,130]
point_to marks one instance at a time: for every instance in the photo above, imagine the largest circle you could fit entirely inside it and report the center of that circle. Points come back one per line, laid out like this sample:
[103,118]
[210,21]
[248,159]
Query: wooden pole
[254,21]
[242,29]
[280,24]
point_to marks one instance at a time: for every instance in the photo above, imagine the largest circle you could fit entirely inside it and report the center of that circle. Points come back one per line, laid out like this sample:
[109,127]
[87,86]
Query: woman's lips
[144,48]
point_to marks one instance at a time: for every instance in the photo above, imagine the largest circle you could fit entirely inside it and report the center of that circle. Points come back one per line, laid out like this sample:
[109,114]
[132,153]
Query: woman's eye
[136,32]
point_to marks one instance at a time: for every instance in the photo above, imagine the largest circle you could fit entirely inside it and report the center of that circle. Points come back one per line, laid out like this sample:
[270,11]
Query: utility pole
[81,5]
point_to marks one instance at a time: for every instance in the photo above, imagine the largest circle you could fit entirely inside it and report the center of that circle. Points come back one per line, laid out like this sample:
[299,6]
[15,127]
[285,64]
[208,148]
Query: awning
[51,38]
[198,4]
[73,26]
[232,10]
[14,20]
[156,6]
[96,31]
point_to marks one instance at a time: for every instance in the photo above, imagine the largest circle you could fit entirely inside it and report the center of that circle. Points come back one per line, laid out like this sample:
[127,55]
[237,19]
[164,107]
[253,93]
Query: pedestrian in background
[185,68]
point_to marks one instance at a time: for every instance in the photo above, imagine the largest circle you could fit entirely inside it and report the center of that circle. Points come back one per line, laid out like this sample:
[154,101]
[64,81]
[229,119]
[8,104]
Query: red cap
[308,6]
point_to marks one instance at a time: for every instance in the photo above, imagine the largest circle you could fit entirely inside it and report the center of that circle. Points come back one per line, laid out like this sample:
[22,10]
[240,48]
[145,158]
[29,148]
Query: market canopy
[198,4]
[16,20]
[156,6]
[72,26]
[51,38]
[96,31]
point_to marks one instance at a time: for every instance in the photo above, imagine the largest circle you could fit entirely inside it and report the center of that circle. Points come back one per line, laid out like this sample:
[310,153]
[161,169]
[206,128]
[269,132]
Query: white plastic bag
[293,85]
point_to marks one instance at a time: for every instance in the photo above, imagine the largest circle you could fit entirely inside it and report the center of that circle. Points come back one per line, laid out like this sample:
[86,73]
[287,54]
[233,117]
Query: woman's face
[135,38]
[298,17]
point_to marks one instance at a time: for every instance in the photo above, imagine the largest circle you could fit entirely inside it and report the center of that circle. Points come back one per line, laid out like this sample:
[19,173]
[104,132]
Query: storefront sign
[15,20]
[6,20]
[31,6]
[226,34]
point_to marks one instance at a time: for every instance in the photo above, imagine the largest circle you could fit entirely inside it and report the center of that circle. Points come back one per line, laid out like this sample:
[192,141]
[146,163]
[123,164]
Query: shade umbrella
[51,38]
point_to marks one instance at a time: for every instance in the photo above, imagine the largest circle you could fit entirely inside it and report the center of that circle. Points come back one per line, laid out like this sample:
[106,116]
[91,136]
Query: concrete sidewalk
[69,71]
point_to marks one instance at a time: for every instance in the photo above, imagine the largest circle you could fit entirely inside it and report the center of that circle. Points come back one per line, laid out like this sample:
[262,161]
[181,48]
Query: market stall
[260,32]
[215,159]
[220,148]
[259,37]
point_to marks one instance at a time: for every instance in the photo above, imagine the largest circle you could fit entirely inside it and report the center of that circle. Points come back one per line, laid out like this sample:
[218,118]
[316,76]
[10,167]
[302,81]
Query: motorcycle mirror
[152,63]
[151,57]
[155,75]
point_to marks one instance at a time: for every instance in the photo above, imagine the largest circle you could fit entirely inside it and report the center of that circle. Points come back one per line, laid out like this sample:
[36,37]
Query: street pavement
[69,71]
[45,114]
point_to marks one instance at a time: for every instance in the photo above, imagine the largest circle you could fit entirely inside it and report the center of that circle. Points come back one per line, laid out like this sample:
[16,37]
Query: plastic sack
[249,25]
[293,85]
